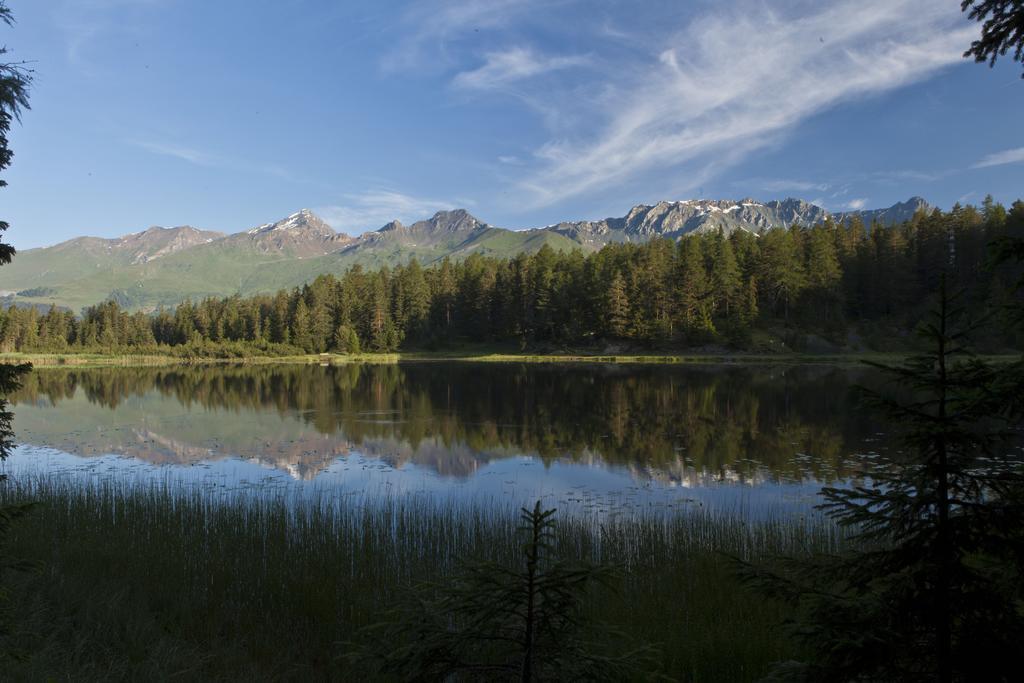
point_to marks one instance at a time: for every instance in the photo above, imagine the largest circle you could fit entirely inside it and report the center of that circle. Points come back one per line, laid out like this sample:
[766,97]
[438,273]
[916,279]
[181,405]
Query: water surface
[756,439]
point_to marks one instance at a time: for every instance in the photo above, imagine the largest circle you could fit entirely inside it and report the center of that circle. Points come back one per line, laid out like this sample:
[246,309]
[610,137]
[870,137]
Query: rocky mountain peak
[453,221]
[456,220]
[915,203]
[393,226]
[303,220]
[302,234]
[155,242]
[897,213]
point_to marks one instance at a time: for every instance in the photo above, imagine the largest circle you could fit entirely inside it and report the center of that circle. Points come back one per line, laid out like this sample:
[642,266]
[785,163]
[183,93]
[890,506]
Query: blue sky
[229,114]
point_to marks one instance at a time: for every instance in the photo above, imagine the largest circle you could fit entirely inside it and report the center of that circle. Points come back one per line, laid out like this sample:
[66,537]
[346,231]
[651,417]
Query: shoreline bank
[48,360]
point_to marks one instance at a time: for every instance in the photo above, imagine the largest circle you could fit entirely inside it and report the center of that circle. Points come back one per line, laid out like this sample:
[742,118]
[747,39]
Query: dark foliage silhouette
[15,80]
[932,588]
[1002,29]
[498,623]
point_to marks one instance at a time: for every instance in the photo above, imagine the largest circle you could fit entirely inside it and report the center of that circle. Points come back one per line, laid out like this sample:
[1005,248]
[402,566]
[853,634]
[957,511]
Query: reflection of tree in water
[733,421]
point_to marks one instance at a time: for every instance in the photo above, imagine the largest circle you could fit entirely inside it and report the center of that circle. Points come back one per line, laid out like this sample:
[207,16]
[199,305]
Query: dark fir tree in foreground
[1002,29]
[498,623]
[933,587]
[14,83]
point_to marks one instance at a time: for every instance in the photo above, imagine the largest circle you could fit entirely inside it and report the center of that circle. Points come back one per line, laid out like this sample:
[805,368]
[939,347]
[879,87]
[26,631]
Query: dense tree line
[708,288]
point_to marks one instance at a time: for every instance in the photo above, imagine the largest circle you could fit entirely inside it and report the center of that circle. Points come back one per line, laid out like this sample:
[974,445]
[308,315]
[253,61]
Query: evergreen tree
[727,280]
[540,318]
[475,285]
[932,588]
[301,335]
[498,623]
[416,310]
[380,331]
[994,215]
[346,339]
[749,310]
[893,267]
[781,278]
[1002,29]
[824,274]
[253,325]
[618,307]
[653,302]
[14,86]
[320,320]
[444,292]
[573,300]
[28,330]
[693,302]
[279,328]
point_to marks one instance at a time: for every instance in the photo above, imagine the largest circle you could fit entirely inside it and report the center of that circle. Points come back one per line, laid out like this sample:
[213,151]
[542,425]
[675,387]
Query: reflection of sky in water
[588,488]
[604,438]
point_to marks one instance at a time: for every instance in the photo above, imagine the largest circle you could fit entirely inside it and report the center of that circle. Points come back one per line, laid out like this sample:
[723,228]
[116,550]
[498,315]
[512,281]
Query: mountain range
[163,266]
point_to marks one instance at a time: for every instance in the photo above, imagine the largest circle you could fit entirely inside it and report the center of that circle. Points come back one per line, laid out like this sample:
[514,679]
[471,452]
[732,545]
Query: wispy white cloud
[206,159]
[515,64]
[434,24]
[856,204]
[372,209]
[192,156]
[84,22]
[839,186]
[903,175]
[785,185]
[735,80]
[610,30]
[514,71]
[1007,156]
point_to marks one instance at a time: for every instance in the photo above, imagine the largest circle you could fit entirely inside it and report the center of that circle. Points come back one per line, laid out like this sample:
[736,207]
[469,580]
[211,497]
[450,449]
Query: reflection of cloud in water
[593,489]
[698,431]
[305,458]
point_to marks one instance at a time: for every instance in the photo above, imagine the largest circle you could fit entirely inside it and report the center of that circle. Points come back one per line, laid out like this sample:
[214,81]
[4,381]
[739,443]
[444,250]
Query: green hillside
[75,277]
[164,266]
[505,243]
[65,262]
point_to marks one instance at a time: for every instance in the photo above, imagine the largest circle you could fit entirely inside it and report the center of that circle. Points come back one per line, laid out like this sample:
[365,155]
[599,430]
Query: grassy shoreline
[158,582]
[42,360]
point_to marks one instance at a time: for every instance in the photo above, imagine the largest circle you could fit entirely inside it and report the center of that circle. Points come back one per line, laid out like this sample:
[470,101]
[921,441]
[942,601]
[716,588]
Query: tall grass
[156,581]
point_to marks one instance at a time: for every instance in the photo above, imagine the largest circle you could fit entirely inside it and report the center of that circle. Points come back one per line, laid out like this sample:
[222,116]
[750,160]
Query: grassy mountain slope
[162,267]
[224,267]
[53,266]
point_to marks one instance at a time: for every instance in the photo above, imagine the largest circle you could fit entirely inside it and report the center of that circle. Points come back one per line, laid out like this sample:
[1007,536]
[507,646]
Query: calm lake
[618,438]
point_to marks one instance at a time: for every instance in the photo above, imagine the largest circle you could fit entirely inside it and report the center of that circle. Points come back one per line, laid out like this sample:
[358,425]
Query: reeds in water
[160,581]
